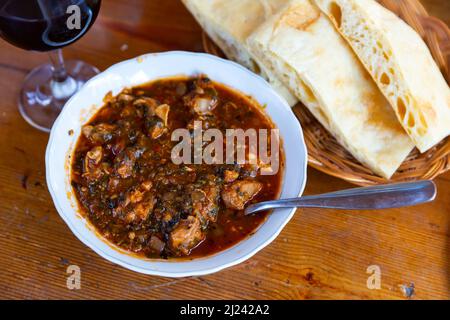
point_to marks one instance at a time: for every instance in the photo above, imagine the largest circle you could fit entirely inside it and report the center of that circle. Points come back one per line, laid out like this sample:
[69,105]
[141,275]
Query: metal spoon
[367,198]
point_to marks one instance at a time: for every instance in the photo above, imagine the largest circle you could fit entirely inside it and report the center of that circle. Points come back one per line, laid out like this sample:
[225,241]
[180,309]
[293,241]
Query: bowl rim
[262,244]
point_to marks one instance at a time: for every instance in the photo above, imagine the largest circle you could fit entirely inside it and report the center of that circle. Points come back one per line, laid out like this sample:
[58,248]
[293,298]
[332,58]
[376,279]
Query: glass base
[42,99]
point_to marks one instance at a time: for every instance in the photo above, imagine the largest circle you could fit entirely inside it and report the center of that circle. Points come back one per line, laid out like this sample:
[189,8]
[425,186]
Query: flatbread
[400,63]
[229,23]
[300,45]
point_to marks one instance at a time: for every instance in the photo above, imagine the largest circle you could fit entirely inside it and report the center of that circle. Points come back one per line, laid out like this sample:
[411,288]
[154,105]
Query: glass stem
[62,85]
[59,69]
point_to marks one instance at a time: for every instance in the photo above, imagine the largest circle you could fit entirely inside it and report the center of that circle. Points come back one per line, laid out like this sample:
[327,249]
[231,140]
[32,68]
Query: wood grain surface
[321,254]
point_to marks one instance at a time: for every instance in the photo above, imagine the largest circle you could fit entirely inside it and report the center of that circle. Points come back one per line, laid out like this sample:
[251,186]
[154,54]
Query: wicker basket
[327,155]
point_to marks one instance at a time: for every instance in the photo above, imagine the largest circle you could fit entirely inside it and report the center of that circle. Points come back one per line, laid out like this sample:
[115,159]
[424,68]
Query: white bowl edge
[124,259]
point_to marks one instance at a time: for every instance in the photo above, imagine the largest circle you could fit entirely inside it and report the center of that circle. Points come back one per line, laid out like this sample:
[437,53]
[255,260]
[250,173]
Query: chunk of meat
[203,105]
[157,130]
[156,244]
[146,185]
[236,195]
[205,203]
[100,133]
[109,98]
[202,99]
[138,194]
[144,209]
[149,104]
[230,176]
[92,161]
[113,184]
[126,160]
[125,169]
[141,210]
[125,98]
[186,235]
[162,112]
[94,156]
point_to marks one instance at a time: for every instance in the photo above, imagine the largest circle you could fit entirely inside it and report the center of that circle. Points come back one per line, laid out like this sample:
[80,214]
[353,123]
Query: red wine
[44,25]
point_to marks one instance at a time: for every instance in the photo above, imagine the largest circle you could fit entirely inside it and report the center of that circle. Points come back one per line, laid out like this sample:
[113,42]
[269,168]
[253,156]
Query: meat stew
[136,197]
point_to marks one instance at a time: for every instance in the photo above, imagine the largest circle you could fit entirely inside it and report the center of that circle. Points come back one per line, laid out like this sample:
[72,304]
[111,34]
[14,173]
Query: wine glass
[48,25]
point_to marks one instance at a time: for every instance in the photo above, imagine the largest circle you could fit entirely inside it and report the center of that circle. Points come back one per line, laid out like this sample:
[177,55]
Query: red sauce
[137,198]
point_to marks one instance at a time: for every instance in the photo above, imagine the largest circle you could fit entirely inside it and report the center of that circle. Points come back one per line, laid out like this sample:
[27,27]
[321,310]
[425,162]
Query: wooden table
[321,254]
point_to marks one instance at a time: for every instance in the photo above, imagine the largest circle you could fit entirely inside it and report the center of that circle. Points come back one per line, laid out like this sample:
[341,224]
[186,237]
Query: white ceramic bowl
[80,108]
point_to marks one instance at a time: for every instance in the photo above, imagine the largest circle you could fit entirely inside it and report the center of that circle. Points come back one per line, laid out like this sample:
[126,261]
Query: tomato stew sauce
[129,188]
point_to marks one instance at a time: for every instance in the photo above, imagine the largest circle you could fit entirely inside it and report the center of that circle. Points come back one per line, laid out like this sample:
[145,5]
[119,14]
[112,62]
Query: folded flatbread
[229,23]
[300,45]
[401,64]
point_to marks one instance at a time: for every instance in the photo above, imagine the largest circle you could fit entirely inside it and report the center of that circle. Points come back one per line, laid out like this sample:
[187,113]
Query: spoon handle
[367,198]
